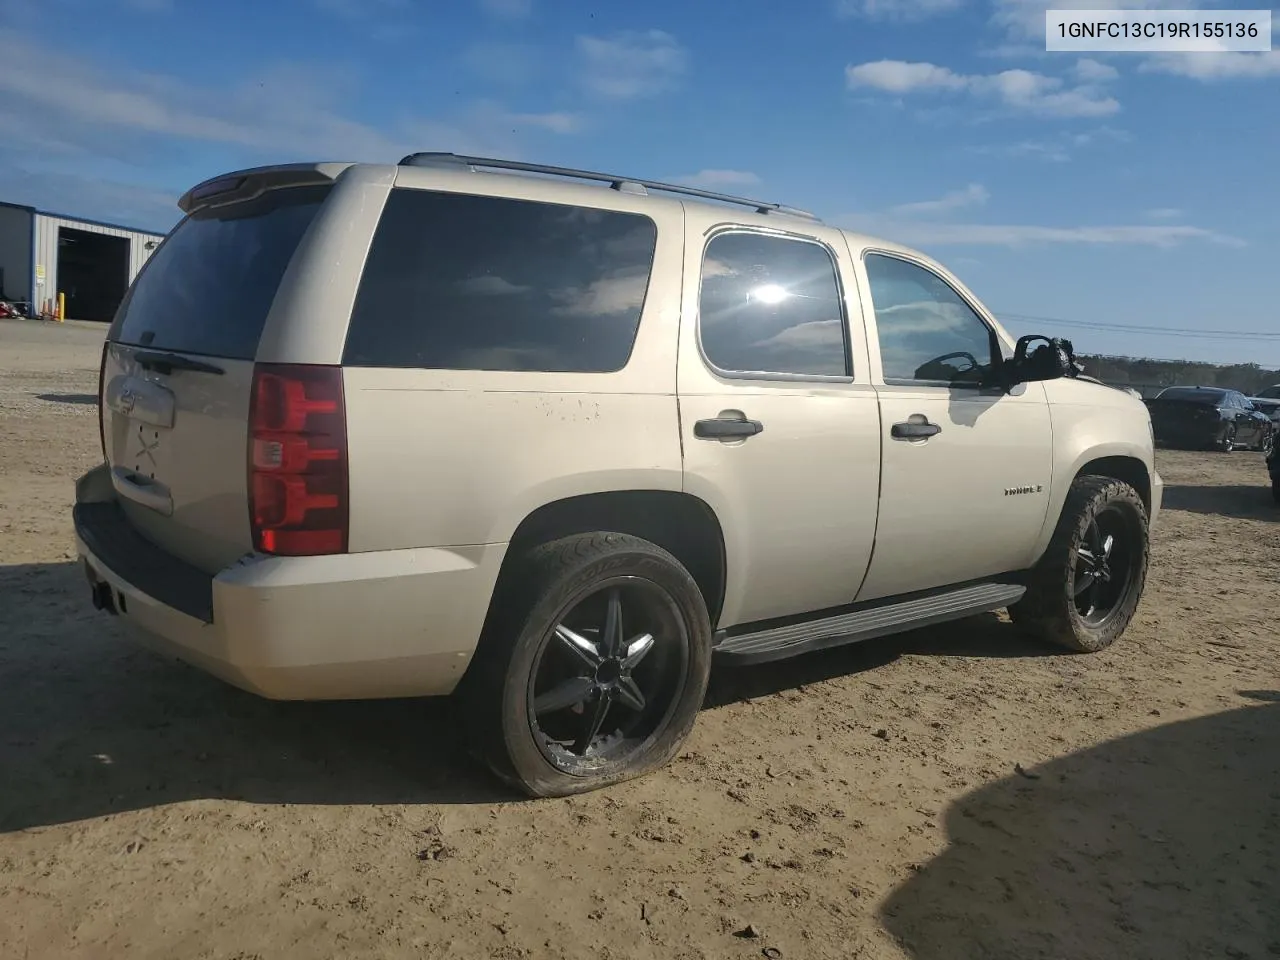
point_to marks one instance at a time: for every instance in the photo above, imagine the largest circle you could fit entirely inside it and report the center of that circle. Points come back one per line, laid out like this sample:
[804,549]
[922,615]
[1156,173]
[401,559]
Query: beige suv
[556,440]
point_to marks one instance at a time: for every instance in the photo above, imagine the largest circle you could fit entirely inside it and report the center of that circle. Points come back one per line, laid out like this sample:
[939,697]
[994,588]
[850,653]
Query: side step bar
[777,643]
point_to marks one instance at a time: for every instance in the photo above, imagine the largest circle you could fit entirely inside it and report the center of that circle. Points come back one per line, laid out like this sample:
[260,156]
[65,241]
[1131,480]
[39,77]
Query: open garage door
[93,272]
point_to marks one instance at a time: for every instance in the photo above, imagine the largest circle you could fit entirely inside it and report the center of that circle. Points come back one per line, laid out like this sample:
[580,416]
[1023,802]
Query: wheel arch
[1127,469]
[682,524]
[1123,462]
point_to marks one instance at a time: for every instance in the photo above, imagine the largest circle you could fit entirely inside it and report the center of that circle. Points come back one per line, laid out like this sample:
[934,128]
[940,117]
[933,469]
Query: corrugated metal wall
[46,251]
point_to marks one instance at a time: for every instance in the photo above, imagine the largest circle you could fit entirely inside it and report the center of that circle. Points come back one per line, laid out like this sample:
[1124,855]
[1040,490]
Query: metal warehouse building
[91,263]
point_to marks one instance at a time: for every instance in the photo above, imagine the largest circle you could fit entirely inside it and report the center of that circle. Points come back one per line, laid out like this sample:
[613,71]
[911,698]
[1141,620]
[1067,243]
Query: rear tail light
[298,460]
[102,373]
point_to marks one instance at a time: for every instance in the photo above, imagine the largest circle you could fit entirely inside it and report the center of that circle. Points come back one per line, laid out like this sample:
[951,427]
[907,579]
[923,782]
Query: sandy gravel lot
[948,794]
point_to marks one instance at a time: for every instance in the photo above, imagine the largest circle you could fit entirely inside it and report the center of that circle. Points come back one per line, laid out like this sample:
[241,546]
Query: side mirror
[1052,359]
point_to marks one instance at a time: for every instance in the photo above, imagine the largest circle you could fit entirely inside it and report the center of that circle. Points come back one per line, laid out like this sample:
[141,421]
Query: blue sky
[1117,190]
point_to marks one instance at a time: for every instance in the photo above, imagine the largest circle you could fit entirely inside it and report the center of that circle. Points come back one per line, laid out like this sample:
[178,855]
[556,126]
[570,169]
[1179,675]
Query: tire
[1275,490]
[1227,441]
[543,671]
[1095,507]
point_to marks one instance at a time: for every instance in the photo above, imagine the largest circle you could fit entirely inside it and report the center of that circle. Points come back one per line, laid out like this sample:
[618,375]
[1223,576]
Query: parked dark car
[1209,417]
[1271,393]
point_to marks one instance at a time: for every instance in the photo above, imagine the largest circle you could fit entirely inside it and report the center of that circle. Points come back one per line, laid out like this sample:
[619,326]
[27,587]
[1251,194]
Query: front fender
[1096,423]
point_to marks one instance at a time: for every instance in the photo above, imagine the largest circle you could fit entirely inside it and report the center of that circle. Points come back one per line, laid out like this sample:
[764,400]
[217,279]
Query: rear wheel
[593,668]
[1085,589]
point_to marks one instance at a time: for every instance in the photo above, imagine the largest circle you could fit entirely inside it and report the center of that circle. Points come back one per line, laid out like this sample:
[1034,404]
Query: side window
[926,330]
[463,282]
[771,305]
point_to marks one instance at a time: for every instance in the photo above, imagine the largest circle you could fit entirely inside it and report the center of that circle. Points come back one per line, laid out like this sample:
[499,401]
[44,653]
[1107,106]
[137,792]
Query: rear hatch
[178,372]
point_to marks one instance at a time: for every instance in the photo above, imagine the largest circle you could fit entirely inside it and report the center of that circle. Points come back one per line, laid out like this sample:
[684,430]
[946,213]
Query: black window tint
[920,320]
[771,305]
[487,283]
[209,287]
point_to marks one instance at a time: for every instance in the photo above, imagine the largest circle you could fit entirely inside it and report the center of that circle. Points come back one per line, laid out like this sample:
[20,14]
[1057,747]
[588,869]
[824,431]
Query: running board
[777,643]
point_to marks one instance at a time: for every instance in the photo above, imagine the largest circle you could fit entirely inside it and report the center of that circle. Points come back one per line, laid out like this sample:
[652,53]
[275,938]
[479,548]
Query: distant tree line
[1150,376]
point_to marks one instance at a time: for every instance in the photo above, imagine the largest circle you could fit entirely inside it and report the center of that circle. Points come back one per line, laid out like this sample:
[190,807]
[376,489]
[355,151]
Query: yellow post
[62,307]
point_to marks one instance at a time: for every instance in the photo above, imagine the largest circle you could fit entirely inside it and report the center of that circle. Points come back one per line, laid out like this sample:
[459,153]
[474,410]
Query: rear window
[462,282]
[1207,397]
[208,289]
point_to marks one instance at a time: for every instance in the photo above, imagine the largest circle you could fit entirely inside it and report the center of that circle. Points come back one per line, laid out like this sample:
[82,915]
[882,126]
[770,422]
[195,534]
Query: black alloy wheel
[608,675]
[1104,567]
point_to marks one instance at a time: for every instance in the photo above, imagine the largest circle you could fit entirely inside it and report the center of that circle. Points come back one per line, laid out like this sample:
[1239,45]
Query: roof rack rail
[621,184]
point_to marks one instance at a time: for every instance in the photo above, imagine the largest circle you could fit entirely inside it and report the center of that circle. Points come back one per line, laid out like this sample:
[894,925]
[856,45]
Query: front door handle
[914,429]
[727,428]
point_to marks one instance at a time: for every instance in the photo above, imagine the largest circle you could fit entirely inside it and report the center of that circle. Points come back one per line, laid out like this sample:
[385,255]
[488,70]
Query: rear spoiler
[250,183]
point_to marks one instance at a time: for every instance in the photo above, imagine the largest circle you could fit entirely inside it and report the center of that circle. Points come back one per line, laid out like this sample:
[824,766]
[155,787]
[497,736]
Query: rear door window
[209,287]
[462,282]
[771,305]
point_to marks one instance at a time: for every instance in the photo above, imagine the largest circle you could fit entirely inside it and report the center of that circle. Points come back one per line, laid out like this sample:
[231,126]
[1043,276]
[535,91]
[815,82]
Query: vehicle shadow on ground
[1162,844]
[1238,501]
[92,724]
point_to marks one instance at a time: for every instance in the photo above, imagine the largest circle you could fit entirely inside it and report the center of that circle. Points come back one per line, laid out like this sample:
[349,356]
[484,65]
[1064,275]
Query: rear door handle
[727,428]
[914,430]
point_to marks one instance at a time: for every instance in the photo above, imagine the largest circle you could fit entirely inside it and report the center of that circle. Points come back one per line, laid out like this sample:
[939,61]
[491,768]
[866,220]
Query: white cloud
[58,102]
[1094,71]
[1215,66]
[1019,90]
[902,10]
[507,9]
[1054,152]
[1056,149]
[712,179]
[1163,213]
[898,76]
[904,225]
[632,64]
[974,195]
[926,234]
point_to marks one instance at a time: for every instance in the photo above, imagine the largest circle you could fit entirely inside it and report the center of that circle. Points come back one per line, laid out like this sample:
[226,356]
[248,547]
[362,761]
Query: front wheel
[1268,443]
[1227,441]
[1085,589]
[593,667]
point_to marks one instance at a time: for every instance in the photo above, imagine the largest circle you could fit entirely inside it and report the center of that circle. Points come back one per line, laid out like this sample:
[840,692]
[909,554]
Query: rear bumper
[394,623]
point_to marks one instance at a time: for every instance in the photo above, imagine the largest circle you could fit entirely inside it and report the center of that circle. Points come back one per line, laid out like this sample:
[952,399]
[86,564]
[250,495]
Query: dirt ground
[948,794]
